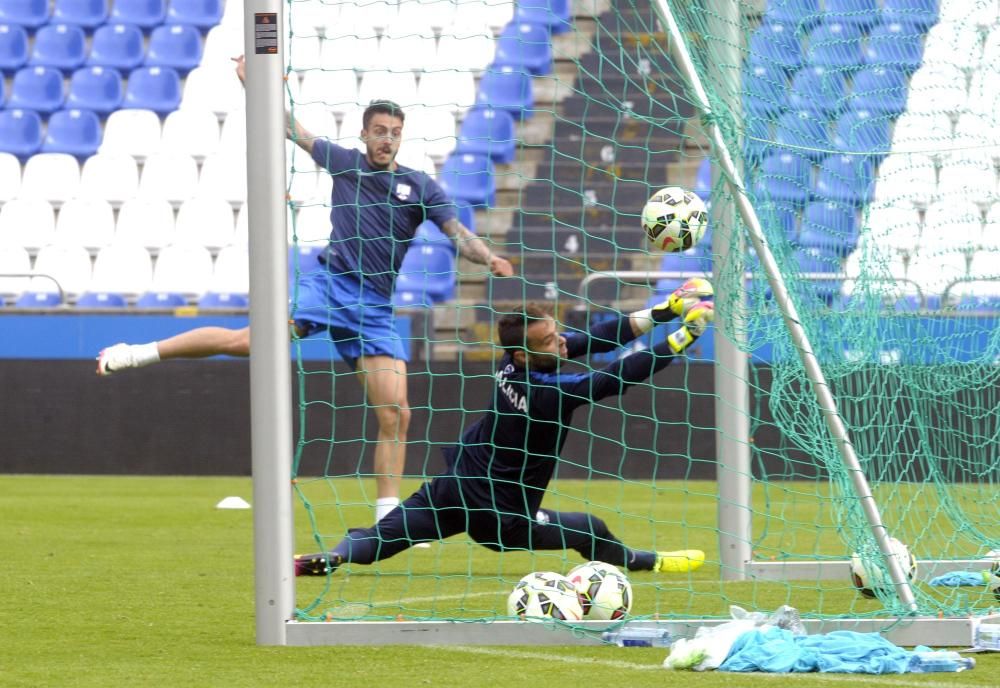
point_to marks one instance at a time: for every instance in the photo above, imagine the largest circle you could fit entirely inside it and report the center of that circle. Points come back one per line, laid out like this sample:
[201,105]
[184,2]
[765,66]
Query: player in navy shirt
[498,473]
[377,205]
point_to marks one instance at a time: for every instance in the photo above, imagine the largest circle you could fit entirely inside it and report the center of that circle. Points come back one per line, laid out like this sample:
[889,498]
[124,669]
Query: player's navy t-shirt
[375,214]
[506,459]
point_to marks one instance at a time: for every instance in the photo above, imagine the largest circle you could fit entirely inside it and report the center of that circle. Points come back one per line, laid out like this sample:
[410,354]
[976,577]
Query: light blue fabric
[955,579]
[845,652]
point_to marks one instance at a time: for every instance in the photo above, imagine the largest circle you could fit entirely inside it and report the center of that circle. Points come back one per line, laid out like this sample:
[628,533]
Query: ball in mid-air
[604,590]
[674,219]
[869,575]
[545,594]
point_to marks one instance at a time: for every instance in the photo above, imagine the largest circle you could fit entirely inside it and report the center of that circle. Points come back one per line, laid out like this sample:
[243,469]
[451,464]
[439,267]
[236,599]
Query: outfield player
[498,473]
[376,208]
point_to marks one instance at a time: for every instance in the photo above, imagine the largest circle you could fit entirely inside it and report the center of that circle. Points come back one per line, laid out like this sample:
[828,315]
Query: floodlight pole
[828,405]
[270,368]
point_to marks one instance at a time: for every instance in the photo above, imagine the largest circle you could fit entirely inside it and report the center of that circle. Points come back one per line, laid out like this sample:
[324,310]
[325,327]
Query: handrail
[59,288]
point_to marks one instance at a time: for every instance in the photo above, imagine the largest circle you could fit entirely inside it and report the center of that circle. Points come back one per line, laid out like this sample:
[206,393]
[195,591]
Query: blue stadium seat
[75,132]
[488,131]
[895,45]
[775,43]
[100,300]
[784,178]
[835,46]
[922,14]
[28,13]
[814,261]
[95,88]
[160,299]
[555,14]
[764,87]
[20,133]
[175,45]
[466,215]
[829,227]
[430,270]
[879,90]
[861,131]
[818,91]
[119,46]
[703,179]
[469,178]
[153,88]
[845,179]
[430,234]
[88,14]
[506,88]
[62,46]
[211,301]
[756,139]
[302,260]
[796,13]
[694,260]
[802,133]
[37,88]
[142,13]
[780,218]
[38,299]
[201,13]
[13,48]
[860,13]
[527,46]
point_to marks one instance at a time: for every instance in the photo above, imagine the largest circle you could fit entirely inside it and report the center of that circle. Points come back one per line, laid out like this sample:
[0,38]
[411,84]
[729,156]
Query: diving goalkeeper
[498,473]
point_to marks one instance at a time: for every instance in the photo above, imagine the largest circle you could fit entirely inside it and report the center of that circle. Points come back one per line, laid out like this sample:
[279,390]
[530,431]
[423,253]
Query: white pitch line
[521,654]
[435,598]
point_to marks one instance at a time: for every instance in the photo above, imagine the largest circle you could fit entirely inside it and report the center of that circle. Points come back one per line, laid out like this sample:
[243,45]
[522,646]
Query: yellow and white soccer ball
[674,219]
[868,573]
[545,594]
[604,590]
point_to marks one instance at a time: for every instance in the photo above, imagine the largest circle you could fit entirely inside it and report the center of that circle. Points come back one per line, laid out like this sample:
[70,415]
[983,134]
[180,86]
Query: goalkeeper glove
[695,323]
[684,298]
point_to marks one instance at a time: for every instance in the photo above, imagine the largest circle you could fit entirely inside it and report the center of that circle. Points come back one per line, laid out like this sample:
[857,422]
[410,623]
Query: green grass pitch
[112,581]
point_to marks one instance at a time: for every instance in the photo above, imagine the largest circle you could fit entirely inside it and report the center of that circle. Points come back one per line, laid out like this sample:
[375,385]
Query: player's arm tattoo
[294,131]
[469,245]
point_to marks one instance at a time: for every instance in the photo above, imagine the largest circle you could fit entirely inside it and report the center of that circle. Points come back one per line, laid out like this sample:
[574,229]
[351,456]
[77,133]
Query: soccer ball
[674,219]
[545,594]
[872,579]
[604,590]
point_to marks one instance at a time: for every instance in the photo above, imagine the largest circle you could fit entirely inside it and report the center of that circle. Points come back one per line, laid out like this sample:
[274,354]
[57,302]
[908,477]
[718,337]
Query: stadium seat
[232,271]
[335,91]
[13,48]
[37,88]
[428,270]
[937,90]
[62,265]
[95,88]
[921,14]
[402,86]
[213,88]
[469,178]
[38,299]
[894,226]
[88,14]
[466,53]
[815,262]
[526,46]
[20,133]
[301,261]
[880,91]
[860,13]
[895,45]
[951,212]
[756,140]
[784,178]
[54,177]
[201,13]
[122,268]
[112,177]
[836,46]
[350,47]
[61,46]
[142,13]
[304,53]
[176,45]
[205,221]
[554,14]
[28,13]
[429,233]
[15,268]
[194,132]
[170,176]
[863,132]
[404,50]
[764,88]
[312,225]
[221,43]
[153,88]
[829,227]
[153,300]
[969,179]
[703,179]
[777,214]
[183,269]
[424,17]
[100,299]
[818,91]
[10,176]
[488,132]
[494,14]
[227,302]
[76,132]
[974,138]
[801,14]
[363,14]
[132,132]
[119,46]
[953,43]
[453,89]
[224,175]
[845,179]
[233,138]
[803,134]
[433,129]
[906,178]
[87,222]
[147,222]
[508,89]
[27,222]
[775,43]
[920,132]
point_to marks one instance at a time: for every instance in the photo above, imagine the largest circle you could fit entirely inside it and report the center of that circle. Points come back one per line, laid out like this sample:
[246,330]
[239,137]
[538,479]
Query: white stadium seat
[973,12]
[937,89]
[969,179]
[494,13]
[170,176]
[906,178]
[448,87]
[205,221]
[434,126]
[224,175]
[920,132]
[112,177]
[985,266]
[182,269]
[368,16]
[954,43]
[350,130]
[336,89]
[67,264]
[215,88]
[233,138]
[10,176]
[14,260]
[87,222]
[472,52]
[317,119]
[303,52]
[423,17]
[313,18]
[27,222]
[122,268]
[935,272]
[54,177]
[232,271]
[132,132]
[232,15]
[312,225]
[222,43]
[976,137]
[148,222]
[894,226]
[348,46]
[400,87]
[191,131]
[403,50]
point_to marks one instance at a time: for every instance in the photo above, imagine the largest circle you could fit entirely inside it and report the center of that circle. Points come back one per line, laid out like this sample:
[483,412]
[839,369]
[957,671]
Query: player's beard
[377,165]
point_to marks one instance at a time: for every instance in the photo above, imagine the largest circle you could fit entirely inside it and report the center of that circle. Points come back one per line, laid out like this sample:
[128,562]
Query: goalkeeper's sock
[640,560]
[383,505]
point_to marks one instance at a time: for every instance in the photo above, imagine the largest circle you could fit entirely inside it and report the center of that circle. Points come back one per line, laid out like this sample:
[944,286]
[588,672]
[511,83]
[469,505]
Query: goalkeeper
[498,473]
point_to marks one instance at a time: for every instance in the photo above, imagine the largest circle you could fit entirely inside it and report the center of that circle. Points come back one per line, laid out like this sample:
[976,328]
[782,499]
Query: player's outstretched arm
[475,249]
[294,131]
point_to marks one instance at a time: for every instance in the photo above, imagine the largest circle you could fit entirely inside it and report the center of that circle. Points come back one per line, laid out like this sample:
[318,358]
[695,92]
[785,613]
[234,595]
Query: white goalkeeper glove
[696,322]
[680,303]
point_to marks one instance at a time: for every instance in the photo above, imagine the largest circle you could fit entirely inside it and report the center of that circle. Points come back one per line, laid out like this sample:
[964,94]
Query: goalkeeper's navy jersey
[506,459]
[375,214]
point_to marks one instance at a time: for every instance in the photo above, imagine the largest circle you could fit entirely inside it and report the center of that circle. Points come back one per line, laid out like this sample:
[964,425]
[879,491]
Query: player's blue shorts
[360,320]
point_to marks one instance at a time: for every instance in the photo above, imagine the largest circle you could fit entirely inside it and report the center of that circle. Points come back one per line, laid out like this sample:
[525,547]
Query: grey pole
[834,423]
[270,367]
[732,400]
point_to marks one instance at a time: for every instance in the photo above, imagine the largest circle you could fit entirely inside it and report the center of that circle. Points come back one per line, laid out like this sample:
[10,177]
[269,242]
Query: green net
[871,167]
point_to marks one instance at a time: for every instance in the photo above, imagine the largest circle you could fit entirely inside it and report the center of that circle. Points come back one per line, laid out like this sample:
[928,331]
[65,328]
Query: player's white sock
[383,505]
[145,354]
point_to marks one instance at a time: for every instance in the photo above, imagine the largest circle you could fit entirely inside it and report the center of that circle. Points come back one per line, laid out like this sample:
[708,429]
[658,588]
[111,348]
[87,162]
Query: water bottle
[988,636]
[943,660]
[638,637]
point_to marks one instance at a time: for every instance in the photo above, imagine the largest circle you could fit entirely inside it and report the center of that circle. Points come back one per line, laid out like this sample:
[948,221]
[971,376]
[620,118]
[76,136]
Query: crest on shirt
[403,191]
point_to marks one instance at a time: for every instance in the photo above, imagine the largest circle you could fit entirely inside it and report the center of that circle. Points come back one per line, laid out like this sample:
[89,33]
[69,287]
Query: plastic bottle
[988,636]
[638,637]
[940,661]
